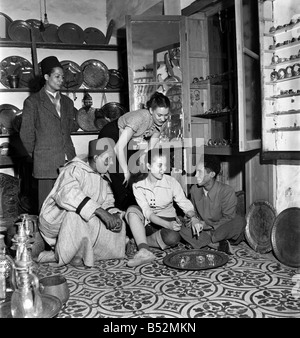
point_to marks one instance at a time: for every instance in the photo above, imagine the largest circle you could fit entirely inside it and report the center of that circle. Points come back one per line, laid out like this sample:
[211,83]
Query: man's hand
[197,226]
[175,225]
[195,223]
[112,222]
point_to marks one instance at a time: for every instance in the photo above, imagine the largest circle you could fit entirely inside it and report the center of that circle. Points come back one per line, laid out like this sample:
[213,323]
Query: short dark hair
[158,99]
[212,163]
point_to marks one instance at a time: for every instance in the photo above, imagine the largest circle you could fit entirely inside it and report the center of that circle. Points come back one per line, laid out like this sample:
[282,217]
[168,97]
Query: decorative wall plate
[93,36]
[19,30]
[73,77]
[35,28]
[5,21]
[8,113]
[285,237]
[111,111]
[116,79]
[50,33]
[195,259]
[51,307]
[95,74]
[259,222]
[19,66]
[86,119]
[70,33]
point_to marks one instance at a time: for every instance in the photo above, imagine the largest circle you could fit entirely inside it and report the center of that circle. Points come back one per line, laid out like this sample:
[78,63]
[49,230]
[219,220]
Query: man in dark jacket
[215,204]
[47,121]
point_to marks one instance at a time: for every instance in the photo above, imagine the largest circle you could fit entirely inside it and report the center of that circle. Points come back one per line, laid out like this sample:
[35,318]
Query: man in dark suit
[215,204]
[45,131]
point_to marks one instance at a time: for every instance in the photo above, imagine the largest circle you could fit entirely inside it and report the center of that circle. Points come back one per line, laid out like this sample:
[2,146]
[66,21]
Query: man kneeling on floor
[78,218]
[215,204]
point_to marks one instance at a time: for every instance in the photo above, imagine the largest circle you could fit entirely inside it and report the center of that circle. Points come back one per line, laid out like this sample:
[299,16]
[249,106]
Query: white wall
[287,172]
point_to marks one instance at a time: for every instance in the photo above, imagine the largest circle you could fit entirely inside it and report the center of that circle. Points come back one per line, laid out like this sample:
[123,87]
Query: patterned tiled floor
[250,285]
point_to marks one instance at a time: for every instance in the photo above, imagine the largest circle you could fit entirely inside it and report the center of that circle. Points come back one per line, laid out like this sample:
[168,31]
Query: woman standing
[127,132]
[47,122]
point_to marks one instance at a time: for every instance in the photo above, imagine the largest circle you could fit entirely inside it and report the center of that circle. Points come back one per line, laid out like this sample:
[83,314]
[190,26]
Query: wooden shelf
[287,62]
[283,80]
[290,45]
[286,112]
[281,96]
[213,115]
[221,150]
[272,130]
[58,45]
[283,30]
[80,90]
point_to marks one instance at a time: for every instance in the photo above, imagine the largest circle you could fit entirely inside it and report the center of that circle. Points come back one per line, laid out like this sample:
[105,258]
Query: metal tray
[16,65]
[51,307]
[285,237]
[195,259]
[93,36]
[259,222]
[8,113]
[95,74]
[73,77]
[70,33]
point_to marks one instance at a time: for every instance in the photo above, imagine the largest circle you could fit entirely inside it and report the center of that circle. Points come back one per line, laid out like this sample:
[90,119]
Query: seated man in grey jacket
[78,218]
[215,204]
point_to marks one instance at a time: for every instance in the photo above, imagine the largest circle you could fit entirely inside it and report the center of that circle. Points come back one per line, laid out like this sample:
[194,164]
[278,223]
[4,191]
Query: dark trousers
[123,195]
[44,188]
[231,231]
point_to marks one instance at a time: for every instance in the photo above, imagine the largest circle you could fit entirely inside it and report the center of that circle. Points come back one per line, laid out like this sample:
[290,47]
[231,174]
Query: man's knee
[170,237]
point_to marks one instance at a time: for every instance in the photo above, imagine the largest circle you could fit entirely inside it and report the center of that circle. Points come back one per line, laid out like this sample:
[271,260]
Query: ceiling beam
[199,6]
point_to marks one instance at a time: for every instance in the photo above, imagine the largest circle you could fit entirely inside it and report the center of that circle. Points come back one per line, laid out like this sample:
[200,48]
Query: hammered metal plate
[285,237]
[259,222]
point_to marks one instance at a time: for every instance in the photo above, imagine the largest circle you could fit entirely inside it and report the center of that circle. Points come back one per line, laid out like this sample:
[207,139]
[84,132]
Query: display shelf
[58,45]
[286,112]
[279,64]
[287,29]
[213,115]
[272,130]
[157,83]
[281,96]
[80,90]
[221,150]
[290,45]
[283,80]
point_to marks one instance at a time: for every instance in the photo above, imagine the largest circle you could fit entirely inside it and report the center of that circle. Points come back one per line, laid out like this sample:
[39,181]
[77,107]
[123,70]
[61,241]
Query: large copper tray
[51,307]
[195,259]
[259,222]
[95,74]
[285,237]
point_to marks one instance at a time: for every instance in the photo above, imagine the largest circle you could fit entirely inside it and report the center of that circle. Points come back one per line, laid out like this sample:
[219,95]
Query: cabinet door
[248,72]
[163,53]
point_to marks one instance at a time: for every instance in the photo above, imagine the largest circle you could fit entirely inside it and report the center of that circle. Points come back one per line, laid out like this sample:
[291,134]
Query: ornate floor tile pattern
[250,285]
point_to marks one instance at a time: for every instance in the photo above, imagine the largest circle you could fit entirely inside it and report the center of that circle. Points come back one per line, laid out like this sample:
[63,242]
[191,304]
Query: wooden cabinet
[280,67]
[217,99]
